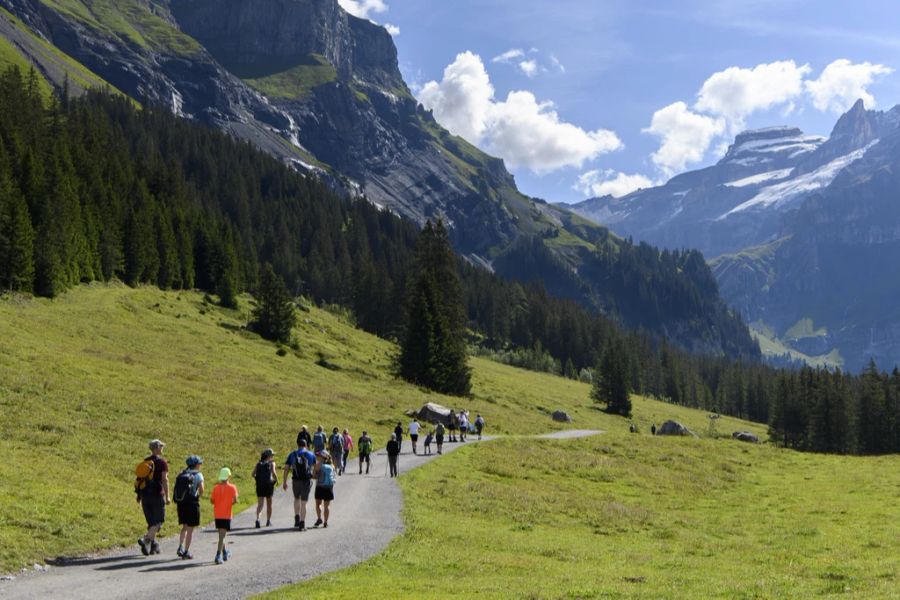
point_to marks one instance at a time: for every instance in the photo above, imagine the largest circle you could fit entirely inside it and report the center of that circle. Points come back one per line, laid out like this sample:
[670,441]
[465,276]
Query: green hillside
[88,378]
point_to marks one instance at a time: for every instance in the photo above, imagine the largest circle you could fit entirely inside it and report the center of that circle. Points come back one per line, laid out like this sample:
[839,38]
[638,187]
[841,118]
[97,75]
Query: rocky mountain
[321,89]
[806,231]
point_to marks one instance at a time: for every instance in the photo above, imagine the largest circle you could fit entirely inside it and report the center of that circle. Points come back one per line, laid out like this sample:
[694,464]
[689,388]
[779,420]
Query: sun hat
[193,460]
[156,444]
[268,452]
[224,474]
[325,454]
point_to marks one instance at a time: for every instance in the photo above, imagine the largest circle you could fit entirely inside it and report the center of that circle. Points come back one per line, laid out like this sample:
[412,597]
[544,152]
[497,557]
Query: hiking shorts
[154,506]
[189,514]
[414,437]
[324,493]
[301,488]
[265,489]
[364,458]
[439,439]
[223,524]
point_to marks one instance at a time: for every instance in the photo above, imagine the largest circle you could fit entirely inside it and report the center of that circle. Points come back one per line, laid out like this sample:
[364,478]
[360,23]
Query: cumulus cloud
[842,83]
[394,30]
[684,136]
[737,92]
[529,67]
[520,129]
[609,182]
[363,9]
[509,56]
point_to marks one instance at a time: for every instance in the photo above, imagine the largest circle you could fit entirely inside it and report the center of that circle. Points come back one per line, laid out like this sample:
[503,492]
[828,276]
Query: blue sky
[608,95]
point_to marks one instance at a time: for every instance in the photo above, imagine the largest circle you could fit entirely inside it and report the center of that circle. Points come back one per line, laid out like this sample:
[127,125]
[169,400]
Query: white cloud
[520,129]
[529,67]
[509,56]
[394,30]
[609,182]
[736,92]
[363,9]
[684,135]
[842,83]
[557,64]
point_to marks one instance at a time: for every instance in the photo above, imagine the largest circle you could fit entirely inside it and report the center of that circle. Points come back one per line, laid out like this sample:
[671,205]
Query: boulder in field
[561,416]
[745,436]
[673,428]
[432,413]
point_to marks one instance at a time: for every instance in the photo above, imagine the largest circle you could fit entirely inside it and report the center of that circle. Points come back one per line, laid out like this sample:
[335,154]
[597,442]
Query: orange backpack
[143,474]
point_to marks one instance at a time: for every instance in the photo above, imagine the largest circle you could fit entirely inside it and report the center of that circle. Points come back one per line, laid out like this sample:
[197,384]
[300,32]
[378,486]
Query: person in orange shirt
[224,497]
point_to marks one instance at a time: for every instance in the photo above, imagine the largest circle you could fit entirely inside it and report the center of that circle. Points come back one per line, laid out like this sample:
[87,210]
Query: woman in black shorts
[266,480]
[324,474]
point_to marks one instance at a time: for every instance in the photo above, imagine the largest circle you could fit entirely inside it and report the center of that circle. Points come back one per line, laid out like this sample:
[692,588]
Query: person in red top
[224,496]
[153,499]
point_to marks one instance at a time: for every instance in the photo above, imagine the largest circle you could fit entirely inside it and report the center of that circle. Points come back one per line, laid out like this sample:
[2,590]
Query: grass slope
[88,378]
[296,82]
[11,57]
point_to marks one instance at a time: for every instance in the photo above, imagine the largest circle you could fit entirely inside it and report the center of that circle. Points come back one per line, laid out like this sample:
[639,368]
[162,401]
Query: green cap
[224,474]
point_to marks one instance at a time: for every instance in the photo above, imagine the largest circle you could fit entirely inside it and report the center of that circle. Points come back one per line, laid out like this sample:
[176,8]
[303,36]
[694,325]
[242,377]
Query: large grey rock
[432,413]
[745,436]
[673,428]
[561,416]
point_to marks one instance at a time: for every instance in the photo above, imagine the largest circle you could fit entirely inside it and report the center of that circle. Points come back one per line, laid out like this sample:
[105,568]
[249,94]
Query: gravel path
[365,518]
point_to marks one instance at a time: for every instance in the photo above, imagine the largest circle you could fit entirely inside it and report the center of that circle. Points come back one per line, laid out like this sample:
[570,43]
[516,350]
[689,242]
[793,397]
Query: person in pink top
[348,446]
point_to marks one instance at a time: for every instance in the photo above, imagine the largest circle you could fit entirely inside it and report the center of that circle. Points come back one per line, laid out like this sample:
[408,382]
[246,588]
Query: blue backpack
[326,476]
[319,441]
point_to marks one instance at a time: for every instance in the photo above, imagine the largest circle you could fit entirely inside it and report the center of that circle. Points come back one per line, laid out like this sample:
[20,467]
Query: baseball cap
[268,452]
[193,460]
[156,444]
[224,474]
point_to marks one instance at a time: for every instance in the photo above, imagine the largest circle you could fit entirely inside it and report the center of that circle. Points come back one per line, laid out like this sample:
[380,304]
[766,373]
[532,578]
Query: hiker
[428,439]
[318,440]
[300,465]
[393,452]
[479,425]
[414,433]
[439,436]
[454,421]
[266,480]
[336,449]
[463,425]
[152,487]
[365,451]
[653,429]
[325,480]
[398,433]
[632,428]
[188,489]
[305,436]
[224,496]
[348,446]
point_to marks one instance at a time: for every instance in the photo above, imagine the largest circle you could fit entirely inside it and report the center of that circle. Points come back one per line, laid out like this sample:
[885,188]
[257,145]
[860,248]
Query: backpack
[319,441]
[184,487]
[337,444]
[263,472]
[365,446]
[143,474]
[300,469]
[326,476]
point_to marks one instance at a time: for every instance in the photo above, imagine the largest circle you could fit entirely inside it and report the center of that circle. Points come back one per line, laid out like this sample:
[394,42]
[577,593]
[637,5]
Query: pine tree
[611,382]
[16,239]
[273,316]
[433,346]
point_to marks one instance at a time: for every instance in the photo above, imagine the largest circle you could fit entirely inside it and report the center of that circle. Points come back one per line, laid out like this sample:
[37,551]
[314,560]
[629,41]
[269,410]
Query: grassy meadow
[88,378]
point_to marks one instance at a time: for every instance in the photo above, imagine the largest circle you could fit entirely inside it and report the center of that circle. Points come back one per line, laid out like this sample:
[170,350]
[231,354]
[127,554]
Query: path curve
[365,518]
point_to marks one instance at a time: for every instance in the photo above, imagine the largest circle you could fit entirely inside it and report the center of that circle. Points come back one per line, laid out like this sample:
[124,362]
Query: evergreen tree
[433,346]
[16,239]
[610,385]
[273,316]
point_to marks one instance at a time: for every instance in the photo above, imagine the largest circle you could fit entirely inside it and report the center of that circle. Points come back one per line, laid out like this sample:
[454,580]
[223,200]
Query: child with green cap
[224,496]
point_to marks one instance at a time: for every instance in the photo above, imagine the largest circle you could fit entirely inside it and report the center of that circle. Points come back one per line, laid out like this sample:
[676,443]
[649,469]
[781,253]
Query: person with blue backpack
[325,480]
[299,465]
[319,440]
[188,490]
[336,449]
[266,480]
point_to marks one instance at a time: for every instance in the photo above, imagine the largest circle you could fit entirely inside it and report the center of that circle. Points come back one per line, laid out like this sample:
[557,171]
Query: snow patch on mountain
[781,194]
[760,178]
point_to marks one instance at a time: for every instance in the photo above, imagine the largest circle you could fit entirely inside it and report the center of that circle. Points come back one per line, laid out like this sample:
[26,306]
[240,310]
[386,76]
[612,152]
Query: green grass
[772,346]
[622,516]
[11,57]
[804,328]
[297,82]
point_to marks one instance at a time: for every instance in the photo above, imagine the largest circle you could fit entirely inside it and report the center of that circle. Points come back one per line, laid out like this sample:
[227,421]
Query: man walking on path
[299,465]
[336,448]
[224,496]
[479,425]
[305,436]
[365,452]
[439,437]
[454,422]
[398,436]
[414,433]
[348,446]
[318,440]
[463,425]
[393,452]
[187,493]
[154,497]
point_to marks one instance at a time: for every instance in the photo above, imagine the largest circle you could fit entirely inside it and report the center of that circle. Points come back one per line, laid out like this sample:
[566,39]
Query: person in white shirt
[414,433]
[463,425]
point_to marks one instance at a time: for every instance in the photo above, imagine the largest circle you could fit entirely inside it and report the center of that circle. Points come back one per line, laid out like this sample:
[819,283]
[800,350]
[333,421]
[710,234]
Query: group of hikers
[319,458]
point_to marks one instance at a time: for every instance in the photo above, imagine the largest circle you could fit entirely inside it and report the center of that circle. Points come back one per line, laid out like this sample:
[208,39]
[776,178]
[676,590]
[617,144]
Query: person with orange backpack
[152,488]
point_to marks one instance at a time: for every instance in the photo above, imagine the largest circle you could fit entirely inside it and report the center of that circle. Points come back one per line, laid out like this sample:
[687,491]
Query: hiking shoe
[219,560]
[268,523]
[187,556]
[318,522]
[257,524]
[154,548]
[302,526]
[297,521]
[180,552]
[226,555]
[144,549]
[325,524]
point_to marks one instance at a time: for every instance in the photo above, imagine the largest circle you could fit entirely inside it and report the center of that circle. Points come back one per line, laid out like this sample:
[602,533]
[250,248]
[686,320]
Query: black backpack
[184,487]
[301,468]
[263,472]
